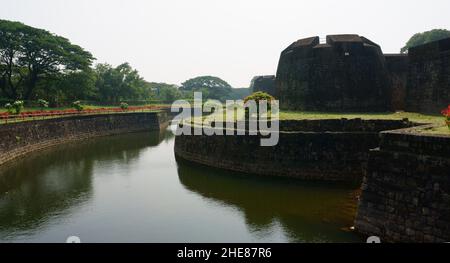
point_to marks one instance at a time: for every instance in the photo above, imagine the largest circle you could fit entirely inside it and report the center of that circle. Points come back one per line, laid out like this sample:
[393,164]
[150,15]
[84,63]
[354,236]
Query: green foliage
[124,105]
[166,92]
[18,106]
[425,37]
[259,96]
[77,105]
[15,108]
[43,104]
[9,108]
[211,87]
[30,55]
[120,83]
[35,63]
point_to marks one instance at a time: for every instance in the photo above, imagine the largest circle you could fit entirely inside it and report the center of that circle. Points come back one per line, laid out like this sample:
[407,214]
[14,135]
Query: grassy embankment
[93,107]
[437,120]
[86,107]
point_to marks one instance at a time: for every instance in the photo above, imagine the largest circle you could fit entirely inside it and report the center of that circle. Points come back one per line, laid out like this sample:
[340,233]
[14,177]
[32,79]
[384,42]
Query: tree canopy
[29,55]
[38,65]
[212,87]
[425,37]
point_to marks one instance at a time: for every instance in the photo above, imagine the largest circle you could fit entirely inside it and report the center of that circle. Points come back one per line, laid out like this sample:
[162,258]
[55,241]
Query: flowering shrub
[124,106]
[446,113]
[77,105]
[9,108]
[43,104]
[18,106]
[15,108]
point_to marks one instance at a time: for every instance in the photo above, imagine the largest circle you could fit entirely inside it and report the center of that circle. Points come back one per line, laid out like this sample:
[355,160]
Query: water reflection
[130,188]
[308,212]
[48,185]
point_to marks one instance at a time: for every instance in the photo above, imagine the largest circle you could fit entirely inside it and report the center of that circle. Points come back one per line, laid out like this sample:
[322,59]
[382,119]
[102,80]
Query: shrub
[15,108]
[257,97]
[124,106]
[9,108]
[77,105]
[43,104]
[18,106]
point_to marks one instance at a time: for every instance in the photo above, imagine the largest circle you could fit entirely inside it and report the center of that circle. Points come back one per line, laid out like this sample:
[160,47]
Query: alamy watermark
[214,118]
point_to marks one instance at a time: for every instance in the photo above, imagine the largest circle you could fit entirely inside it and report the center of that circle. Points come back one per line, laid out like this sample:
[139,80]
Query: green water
[130,188]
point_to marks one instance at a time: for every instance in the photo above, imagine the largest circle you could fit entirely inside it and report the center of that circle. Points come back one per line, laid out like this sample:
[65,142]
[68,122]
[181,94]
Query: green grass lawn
[414,117]
[301,115]
[436,130]
[85,106]
[437,120]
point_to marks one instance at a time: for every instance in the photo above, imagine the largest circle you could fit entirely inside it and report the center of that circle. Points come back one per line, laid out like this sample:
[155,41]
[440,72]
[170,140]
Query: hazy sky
[173,40]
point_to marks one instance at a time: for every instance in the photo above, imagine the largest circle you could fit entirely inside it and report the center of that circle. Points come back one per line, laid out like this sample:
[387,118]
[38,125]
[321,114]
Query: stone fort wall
[406,192]
[350,73]
[428,89]
[327,150]
[21,138]
[347,73]
[263,83]
[397,66]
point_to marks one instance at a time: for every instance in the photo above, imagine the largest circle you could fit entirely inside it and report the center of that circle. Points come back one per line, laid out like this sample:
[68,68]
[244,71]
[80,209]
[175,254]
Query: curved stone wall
[347,73]
[406,191]
[329,150]
[18,139]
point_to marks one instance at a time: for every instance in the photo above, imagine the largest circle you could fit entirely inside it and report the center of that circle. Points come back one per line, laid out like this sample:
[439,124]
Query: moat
[130,188]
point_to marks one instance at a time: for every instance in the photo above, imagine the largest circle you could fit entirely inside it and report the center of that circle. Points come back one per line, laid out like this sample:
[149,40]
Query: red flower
[446,112]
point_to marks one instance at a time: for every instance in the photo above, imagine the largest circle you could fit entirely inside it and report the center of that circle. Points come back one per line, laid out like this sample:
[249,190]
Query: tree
[11,76]
[425,37]
[212,87]
[28,55]
[120,83]
[68,87]
[165,92]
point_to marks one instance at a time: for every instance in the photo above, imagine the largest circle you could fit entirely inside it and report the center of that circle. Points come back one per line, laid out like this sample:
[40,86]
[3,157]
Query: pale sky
[174,40]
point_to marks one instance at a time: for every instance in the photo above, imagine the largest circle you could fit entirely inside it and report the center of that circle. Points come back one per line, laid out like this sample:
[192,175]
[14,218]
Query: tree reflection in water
[130,188]
[53,182]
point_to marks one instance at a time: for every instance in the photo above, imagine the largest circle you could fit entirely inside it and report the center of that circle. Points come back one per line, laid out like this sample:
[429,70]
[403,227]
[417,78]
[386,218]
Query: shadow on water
[130,188]
[307,211]
[53,182]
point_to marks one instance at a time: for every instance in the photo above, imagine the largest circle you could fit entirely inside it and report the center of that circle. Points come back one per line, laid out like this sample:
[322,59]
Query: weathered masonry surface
[264,84]
[428,89]
[350,73]
[18,139]
[406,192]
[327,150]
[397,65]
[347,73]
